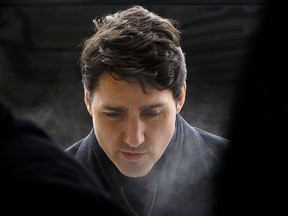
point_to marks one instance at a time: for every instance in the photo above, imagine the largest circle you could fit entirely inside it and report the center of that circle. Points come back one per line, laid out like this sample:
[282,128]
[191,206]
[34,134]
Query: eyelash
[119,114]
[114,114]
[152,114]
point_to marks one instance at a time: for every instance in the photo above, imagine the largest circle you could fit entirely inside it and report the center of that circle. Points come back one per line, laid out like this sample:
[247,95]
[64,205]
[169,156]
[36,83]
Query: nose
[134,132]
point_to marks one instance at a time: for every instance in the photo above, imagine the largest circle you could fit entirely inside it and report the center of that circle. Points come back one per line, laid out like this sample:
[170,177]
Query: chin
[135,172]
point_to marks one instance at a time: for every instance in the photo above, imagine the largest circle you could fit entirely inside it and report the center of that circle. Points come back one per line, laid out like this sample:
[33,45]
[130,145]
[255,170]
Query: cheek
[161,133]
[106,133]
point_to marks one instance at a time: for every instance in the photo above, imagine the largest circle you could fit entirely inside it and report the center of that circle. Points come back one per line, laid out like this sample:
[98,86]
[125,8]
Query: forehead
[112,81]
[111,88]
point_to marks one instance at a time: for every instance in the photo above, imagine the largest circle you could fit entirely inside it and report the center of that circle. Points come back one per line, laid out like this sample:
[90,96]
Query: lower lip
[131,156]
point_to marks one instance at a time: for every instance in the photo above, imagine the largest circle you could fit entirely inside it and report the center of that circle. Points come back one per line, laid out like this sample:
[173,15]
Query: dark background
[39,52]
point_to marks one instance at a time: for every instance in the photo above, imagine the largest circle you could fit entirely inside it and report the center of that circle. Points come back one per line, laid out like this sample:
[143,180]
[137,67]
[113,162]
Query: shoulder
[72,149]
[212,143]
[80,145]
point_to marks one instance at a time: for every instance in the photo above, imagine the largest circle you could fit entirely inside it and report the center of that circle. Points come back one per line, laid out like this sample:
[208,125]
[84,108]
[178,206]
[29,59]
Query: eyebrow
[122,109]
[113,108]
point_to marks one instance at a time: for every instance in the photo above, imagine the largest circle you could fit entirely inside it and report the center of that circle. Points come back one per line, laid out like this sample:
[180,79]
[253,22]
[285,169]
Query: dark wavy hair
[135,45]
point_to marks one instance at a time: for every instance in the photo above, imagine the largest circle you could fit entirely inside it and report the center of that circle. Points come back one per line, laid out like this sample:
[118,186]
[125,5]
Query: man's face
[133,128]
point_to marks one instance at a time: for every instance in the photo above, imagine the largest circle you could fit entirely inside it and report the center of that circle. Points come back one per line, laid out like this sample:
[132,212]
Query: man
[149,158]
[37,176]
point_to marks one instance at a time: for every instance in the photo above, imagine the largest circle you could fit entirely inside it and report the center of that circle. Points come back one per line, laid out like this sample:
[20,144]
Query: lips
[132,156]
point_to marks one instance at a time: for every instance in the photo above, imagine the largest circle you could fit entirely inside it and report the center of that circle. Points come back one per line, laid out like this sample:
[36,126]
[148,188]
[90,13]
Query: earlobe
[87,100]
[181,99]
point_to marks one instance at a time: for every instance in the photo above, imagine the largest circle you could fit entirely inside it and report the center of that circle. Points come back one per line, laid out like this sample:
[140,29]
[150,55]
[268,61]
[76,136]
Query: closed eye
[151,114]
[114,114]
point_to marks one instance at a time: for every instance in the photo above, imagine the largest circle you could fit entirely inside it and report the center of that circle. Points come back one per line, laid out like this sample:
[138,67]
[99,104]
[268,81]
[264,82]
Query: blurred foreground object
[38,175]
[253,181]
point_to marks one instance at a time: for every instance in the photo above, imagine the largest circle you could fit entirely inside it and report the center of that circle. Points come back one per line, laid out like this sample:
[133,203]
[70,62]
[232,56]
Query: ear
[181,98]
[87,100]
